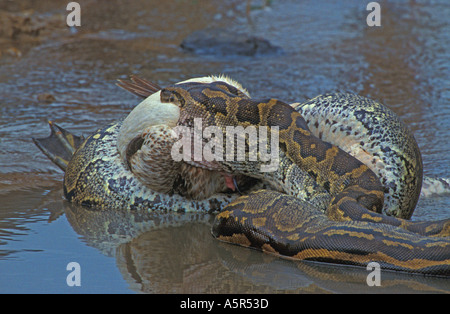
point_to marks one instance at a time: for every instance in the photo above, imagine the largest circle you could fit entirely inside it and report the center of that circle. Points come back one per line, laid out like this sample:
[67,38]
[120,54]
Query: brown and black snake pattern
[352,229]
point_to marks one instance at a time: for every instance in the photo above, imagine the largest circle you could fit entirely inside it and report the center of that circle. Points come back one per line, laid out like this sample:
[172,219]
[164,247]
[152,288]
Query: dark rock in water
[222,42]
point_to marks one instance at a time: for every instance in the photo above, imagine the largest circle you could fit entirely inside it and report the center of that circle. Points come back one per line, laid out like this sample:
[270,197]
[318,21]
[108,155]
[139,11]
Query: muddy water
[50,71]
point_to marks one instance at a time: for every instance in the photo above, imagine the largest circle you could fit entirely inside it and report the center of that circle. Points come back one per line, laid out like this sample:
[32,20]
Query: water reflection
[175,253]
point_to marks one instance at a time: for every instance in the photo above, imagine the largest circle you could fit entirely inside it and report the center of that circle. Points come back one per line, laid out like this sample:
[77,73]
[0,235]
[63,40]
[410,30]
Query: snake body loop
[325,201]
[374,135]
[352,229]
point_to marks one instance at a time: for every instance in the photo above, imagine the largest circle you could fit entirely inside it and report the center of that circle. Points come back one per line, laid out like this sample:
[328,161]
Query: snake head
[185,95]
[173,95]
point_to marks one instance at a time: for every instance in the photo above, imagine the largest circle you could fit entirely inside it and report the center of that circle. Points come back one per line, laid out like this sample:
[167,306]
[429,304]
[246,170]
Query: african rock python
[102,173]
[351,231]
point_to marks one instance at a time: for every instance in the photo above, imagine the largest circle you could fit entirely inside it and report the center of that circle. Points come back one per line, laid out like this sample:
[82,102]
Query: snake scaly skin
[110,170]
[377,137]
[127,164]
[97,177]
[351,231]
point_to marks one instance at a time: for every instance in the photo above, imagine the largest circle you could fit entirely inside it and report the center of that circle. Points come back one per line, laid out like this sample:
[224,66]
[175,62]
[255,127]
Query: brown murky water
[50,71]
